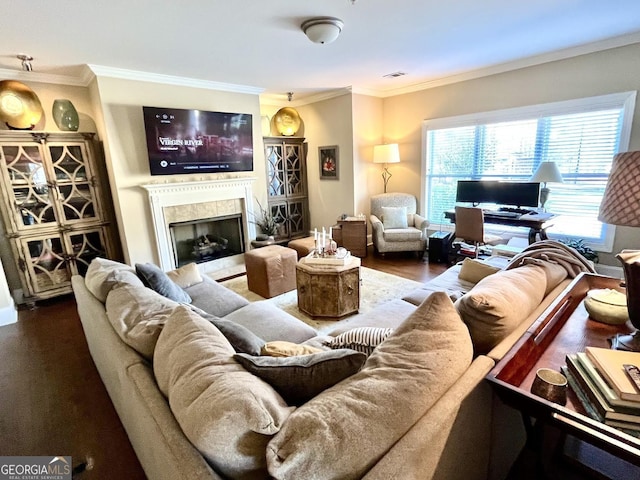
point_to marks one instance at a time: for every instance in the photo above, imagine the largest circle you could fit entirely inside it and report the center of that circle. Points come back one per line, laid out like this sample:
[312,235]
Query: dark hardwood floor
[53,401]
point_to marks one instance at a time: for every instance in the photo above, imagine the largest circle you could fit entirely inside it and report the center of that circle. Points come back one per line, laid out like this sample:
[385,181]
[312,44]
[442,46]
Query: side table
[353,235]
[328,290]
[563,328]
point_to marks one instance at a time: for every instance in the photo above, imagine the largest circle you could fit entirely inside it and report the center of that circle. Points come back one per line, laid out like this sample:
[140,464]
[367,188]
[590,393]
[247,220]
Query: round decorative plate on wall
[287,121]
[20,107]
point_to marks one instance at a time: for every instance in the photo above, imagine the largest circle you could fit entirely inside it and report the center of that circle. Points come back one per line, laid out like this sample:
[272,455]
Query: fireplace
[207,239]
[209,209]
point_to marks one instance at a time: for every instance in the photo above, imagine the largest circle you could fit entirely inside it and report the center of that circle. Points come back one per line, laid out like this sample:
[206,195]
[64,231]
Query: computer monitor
[519,194]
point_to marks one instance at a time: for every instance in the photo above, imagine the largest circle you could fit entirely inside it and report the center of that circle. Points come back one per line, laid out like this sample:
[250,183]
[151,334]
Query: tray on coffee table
[563,328]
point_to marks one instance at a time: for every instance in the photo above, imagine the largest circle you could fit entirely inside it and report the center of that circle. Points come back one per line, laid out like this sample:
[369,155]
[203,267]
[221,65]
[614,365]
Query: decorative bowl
[287,121]
[607,306]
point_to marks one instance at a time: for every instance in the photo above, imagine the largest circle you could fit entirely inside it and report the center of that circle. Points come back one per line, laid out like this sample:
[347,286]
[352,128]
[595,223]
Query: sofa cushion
[394,217]
[186,275]
[280,348]
[300,378]
[241,338]
[473,270]
[355,422]
[154,278]
[499,303]
[362,339]
[227,413]
[214,298]
[271,323]
[138,315]
[99,279]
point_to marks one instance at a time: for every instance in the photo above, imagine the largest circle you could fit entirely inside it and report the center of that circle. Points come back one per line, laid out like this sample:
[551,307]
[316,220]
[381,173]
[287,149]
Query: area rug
[375,288]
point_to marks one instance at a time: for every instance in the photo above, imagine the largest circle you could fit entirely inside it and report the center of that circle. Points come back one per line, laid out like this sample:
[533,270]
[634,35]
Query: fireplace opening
[207,239]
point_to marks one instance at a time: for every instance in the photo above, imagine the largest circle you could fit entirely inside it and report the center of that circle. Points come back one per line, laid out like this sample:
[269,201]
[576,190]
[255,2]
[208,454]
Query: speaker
[439,247]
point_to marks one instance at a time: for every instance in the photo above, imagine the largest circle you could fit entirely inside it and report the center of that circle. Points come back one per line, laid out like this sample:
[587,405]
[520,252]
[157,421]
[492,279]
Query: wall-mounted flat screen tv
[194,141]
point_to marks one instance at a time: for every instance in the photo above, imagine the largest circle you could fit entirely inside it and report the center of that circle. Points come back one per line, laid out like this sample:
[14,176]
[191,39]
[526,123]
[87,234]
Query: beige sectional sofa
[418,408]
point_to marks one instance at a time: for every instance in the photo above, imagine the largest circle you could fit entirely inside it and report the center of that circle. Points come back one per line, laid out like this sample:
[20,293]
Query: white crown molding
[102,71]
[279,100]
[26,77]
[563,54]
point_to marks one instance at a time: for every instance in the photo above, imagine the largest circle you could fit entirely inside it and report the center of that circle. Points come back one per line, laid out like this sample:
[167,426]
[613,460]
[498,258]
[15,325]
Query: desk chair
[470,229]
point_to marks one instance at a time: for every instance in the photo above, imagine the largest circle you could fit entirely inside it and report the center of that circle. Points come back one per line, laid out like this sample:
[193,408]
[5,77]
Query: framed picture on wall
[329,162]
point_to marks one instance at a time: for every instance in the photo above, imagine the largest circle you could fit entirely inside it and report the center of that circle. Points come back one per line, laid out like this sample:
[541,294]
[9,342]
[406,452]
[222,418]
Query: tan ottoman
[271,270]
[304,246]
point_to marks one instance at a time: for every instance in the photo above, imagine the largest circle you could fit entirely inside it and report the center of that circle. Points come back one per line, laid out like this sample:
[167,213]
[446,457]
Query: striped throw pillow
[362,339]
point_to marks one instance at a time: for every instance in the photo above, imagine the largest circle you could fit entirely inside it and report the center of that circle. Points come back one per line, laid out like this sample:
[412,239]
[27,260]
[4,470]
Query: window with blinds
[581,136]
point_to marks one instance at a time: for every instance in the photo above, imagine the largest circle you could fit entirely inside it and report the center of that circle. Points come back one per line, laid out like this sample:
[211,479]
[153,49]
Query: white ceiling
[260,44]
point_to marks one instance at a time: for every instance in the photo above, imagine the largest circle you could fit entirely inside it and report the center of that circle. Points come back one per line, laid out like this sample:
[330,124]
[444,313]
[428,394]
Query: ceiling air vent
[395,74]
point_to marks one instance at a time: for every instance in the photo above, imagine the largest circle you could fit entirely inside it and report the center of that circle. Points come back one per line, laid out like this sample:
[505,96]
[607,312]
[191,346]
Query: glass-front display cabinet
[52,208]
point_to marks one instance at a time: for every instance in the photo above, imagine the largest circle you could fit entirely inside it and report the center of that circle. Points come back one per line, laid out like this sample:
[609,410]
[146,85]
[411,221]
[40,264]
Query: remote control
[633,373]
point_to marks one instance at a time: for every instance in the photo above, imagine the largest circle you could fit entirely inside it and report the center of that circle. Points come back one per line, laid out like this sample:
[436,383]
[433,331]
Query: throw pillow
[97,277]
[138,315]
[299,379]
[394,217]
[362,339]
[241,338]
[186,275]
[228,414]
[355,422]
[158,280]
[499,303]
[280,348]
[473,270]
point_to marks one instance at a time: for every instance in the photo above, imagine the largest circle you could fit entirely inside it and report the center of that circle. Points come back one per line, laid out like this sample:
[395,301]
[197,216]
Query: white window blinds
[580,136]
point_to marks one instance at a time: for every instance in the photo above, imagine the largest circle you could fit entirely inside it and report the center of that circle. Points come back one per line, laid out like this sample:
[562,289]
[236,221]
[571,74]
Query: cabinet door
[44,263]
[85,245]
[296,184]
[276,170]
[27,194]
[74,182]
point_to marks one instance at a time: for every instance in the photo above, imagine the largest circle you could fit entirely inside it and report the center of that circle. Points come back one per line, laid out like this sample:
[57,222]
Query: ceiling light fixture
[322,29]
[26,62]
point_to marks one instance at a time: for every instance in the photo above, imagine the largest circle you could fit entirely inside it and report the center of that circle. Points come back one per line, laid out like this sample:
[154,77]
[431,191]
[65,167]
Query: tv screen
[520,194]
[194,141]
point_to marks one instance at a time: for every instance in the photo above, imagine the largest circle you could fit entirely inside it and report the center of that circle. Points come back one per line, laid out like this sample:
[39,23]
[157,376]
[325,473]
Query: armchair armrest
[421,223]
[376,223]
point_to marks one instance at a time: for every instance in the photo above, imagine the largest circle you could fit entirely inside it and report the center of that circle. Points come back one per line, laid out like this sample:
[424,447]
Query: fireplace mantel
[162,195]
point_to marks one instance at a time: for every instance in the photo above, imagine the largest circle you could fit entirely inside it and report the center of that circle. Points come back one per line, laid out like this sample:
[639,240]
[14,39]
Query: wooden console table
[328,290]
[564,328]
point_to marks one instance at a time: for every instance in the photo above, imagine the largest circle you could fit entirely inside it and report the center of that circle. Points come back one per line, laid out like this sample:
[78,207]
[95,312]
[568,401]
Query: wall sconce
[385,154]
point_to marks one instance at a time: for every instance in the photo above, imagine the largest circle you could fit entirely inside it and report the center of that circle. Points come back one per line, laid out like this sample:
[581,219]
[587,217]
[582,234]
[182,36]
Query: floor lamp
[385,154]
[546,172]
[621,206]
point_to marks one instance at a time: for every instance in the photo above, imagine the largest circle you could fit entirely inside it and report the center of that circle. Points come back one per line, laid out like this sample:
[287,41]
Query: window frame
[624,100]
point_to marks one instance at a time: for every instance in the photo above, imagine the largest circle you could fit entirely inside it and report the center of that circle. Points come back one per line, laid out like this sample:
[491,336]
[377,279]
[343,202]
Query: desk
[537,224]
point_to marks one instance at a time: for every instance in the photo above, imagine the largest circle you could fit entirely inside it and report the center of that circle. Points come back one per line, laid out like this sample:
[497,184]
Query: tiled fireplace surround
[186,201]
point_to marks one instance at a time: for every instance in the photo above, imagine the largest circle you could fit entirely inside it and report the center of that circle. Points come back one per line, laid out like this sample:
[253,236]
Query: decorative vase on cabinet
[65,115]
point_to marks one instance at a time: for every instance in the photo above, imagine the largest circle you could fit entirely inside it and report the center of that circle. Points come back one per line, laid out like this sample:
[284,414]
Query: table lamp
[388,153]
[546,172]
[621,206]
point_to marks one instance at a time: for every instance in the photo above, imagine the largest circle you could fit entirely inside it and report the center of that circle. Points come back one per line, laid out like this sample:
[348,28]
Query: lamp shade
[621,200]
[388,153]
[547,172]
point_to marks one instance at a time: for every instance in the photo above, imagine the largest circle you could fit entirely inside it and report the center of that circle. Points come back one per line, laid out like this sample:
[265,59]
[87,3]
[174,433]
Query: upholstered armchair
[395,224]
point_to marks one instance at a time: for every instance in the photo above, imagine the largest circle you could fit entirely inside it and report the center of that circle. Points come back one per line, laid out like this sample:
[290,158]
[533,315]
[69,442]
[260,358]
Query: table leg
[533,232]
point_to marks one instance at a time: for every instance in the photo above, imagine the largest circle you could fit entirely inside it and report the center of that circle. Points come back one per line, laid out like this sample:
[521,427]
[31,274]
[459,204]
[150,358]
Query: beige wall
[611,71]
[122,129]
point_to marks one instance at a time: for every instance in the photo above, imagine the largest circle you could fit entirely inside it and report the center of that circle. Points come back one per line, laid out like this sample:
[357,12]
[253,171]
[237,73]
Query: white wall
[610,71]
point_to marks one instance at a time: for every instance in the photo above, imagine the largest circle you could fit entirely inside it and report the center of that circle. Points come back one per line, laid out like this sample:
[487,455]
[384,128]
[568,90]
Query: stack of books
[605,390]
